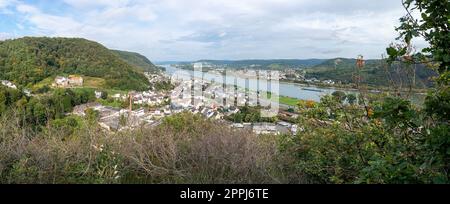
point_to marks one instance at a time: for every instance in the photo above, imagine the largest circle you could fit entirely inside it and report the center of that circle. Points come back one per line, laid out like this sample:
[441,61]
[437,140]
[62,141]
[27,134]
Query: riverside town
[225,99]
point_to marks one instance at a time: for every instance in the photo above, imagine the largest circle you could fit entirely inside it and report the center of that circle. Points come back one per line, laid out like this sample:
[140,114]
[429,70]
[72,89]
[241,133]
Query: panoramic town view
[224,92]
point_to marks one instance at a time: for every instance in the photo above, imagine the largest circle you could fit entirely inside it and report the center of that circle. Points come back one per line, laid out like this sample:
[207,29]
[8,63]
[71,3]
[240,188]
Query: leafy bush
[398,144]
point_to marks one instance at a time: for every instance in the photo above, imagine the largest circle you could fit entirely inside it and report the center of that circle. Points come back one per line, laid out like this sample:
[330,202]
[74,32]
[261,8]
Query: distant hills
[374,72]
[338,69]
[137,60]
[27,61]
[267,64]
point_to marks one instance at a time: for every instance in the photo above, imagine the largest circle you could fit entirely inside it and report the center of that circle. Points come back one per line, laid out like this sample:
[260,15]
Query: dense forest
[27,61]
[137,60]
[375,73]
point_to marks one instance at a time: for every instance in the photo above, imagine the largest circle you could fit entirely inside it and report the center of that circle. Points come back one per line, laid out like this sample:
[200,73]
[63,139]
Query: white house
[8,84]
[98,94]
[61,81]
[72,80]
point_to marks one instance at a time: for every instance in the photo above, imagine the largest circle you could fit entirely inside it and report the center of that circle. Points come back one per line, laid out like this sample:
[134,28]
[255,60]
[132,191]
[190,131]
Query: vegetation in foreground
[390,142]
[184,149]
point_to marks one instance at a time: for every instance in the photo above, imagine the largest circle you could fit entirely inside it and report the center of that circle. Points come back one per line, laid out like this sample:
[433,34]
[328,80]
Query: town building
[75,80]
[71,81]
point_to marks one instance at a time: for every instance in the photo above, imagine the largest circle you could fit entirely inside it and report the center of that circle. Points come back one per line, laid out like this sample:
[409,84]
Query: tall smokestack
[130,95]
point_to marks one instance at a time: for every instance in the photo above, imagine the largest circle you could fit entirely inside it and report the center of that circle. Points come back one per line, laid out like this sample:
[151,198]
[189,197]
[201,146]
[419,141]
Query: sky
[187,30]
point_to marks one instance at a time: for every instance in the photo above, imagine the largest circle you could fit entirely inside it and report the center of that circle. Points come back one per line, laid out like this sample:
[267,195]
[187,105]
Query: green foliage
[8,97]
[137,60]
[351,98]
[400,143]
[92,115]
[373,74]
[182,122]
[340,144]
[37,111]
[248,114]
[163,86]
[433,26]
[339,96]
[113,103]
[27,61]
[437,104]
[41,90]
[67,126]
[397,112]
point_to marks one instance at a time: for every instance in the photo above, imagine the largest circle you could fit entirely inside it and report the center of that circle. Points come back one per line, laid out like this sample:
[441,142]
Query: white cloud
[84,4]
[4,36]
[228,29]
[5,3]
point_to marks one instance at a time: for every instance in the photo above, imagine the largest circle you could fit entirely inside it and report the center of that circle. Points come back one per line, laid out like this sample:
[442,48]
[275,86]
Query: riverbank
[353,87]
[290,91]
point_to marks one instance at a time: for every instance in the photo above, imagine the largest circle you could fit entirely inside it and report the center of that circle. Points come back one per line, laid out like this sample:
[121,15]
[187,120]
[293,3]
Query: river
[298,91]
[292,90]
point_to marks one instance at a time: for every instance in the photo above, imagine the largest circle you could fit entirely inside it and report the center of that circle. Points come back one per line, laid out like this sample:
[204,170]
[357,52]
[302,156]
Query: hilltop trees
[137,60]
[30,60]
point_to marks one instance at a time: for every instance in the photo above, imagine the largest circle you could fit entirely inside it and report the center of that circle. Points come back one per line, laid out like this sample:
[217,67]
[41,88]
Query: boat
[309,89]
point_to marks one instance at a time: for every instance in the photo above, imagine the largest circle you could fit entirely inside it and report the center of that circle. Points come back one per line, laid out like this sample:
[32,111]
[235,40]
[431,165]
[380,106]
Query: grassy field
[114,103]
[289,101]
[285,100]
[45,82]
[93,82]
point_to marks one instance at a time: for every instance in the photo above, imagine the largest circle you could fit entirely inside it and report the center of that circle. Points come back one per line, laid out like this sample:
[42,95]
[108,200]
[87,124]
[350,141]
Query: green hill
[374,73]
[27,61]
[137,60]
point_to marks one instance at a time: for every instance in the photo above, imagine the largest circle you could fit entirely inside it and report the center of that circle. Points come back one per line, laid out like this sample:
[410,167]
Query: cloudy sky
[213,29]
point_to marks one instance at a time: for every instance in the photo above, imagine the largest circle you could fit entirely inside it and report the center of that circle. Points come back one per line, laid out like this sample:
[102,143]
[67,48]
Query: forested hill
[27,61]
[374,73]
[267,64]
[137,60]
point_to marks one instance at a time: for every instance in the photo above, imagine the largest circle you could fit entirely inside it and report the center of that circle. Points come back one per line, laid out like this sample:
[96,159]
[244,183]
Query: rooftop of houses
[72,80]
